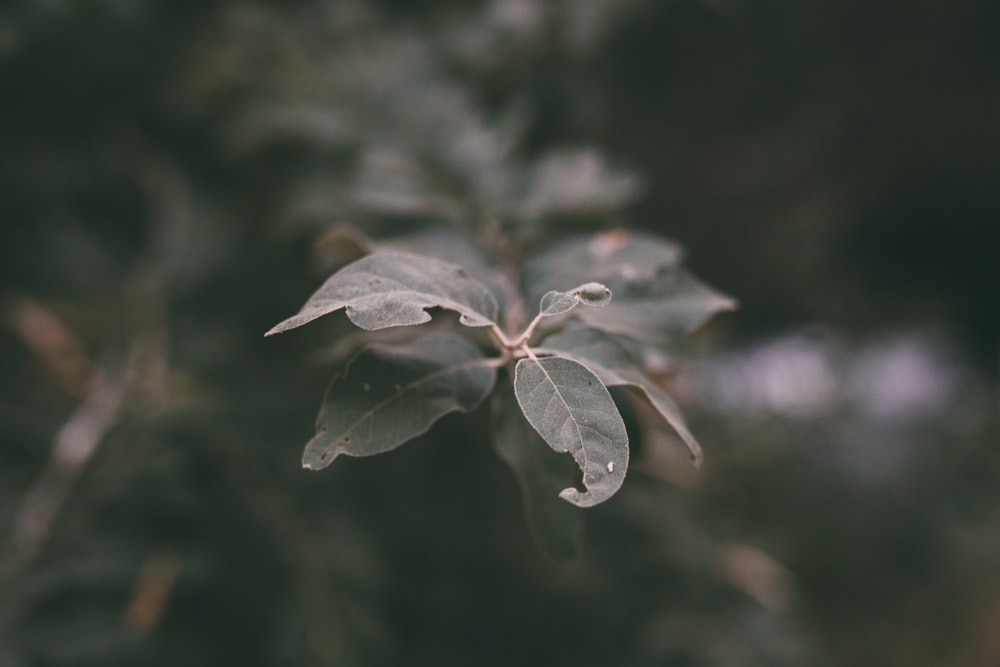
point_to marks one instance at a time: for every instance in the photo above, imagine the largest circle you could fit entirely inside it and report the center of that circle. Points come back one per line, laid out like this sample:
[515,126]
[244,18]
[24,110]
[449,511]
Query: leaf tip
[318,462]
[697,458]
[576,497]
[319,452]
[695,452]
[594,294]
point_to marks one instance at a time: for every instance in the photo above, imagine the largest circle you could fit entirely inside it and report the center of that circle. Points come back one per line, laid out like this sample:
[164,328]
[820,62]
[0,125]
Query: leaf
[577,182]
[396,289]
[612,258]
[615,367]
[573,412]
[450,245]
[389,395]
[556,526]
[660,310]
[656,303]
[393,183]
[590,294]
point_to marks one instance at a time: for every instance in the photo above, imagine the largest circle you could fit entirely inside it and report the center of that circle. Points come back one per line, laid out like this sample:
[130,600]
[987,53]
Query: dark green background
[832,165]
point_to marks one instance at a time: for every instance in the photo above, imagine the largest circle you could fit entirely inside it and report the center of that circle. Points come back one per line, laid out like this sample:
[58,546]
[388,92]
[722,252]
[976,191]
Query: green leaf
[396,289]
[590,294]
[573,412]
[659,310]
[613,258]
[389,395]
[449,244]
[656,302]
[614,365]
[577,182]
[393,183]
[556,526]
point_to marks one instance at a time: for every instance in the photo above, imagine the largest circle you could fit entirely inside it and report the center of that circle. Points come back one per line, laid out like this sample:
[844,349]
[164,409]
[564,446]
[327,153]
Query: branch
[74,446]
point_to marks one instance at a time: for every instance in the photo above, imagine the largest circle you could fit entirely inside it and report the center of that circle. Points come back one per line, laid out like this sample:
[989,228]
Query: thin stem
[500,338]
[529,331]
[501,361]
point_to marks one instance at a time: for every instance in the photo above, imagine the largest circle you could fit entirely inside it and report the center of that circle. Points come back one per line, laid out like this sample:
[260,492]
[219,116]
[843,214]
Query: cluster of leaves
[390,394]
[456,220]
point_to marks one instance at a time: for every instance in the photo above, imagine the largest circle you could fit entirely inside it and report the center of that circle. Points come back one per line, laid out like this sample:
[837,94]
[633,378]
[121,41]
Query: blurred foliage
[176,175]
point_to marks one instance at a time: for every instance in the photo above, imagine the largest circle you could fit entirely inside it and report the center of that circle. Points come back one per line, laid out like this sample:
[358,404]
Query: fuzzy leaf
[590,294]
[577,182]
[449,245]
[659,310]
[396,289]
[556,526]
[656,303]
[613,364]
[613,258]
[573,412]
[389,395]
[393,183]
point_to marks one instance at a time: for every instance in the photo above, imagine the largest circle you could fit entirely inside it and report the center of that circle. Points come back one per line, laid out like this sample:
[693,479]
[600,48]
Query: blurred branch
[74,446]
[55,345]
[757,574]
[152,590]
[103,394]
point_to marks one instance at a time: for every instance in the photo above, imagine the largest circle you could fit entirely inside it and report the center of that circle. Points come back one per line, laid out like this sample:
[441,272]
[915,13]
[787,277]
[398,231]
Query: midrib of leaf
[662,402]
[576,425]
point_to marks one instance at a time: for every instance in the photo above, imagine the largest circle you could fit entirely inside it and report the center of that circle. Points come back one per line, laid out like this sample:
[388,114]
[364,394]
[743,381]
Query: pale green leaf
[577,182]
[396,289]
[656,302]
[390,182]
[613,258]
[614,365]
[573,412]
[659,310]
[589,294]
[556,526]
[389,395]
[449,244]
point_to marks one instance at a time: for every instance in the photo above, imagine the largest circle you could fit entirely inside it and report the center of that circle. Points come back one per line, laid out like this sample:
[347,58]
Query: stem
[501,361]
[501,338]
[529,331]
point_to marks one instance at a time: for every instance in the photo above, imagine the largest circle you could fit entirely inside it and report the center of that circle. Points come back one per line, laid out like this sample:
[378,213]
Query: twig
[75,444]
[152,591]
[55,345]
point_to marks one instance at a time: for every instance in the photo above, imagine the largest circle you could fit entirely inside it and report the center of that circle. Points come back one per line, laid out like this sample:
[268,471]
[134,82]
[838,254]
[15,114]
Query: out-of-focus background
[166,173]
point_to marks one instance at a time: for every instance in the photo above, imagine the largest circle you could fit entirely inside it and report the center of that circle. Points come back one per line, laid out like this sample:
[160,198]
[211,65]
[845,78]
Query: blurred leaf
[615,366]
[444,243]
[395,289]
[392,183]
[277,123]
[576,183]
[390,395]
[661,310]
[541,473]
[613,258]
[573,412]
